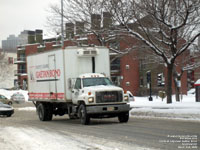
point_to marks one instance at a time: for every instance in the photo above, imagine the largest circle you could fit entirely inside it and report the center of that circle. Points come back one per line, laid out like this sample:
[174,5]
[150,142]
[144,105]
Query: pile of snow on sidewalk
[187,108]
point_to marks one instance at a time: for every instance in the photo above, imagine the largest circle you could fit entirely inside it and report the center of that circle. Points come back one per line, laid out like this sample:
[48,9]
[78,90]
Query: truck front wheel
[44,112]
[85,119]
[123,117]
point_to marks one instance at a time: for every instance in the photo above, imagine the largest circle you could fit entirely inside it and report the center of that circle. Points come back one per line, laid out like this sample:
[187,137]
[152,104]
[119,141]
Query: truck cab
[97,97]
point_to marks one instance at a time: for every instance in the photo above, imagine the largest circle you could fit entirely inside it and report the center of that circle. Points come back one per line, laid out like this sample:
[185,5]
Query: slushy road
[144,132]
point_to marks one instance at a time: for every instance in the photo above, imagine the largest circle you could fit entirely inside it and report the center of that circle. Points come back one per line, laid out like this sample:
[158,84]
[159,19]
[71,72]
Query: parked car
[131,97]
[6,110]
[5,100]
[18,97]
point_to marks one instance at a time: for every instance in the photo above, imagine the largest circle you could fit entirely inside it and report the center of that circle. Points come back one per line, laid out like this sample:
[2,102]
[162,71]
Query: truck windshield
[96,81]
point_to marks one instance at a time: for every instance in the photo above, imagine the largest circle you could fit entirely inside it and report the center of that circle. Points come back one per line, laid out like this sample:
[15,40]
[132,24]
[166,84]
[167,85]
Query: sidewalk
[187,109]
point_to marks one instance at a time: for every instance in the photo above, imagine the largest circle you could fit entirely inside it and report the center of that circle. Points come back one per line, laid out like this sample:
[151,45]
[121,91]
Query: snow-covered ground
[9,93]
[38,139]
[18,138]
[187,108]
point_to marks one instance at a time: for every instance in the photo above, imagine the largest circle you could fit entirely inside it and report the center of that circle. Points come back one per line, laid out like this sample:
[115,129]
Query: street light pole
[148,73]
[62,32]
[150,93]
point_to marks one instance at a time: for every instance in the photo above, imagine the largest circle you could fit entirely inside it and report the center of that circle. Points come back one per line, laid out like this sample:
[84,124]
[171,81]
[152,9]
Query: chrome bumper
[108,109]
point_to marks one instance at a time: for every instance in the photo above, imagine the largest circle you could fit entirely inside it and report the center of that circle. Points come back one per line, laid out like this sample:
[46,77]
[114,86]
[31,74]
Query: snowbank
[26,109]
[9,93]
[187,108]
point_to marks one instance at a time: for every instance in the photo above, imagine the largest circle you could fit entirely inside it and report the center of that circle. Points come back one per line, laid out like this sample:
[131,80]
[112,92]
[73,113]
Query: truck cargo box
[50,74]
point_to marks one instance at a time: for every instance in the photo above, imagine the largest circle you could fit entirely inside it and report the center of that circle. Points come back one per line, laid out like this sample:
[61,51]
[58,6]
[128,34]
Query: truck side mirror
[70,83]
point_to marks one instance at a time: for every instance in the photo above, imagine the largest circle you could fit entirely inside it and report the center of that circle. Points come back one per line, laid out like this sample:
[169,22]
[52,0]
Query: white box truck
[75,81]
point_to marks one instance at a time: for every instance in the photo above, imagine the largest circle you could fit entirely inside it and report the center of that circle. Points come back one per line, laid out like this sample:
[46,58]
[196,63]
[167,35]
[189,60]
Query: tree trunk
[169,83]
[177,91]
[176,79]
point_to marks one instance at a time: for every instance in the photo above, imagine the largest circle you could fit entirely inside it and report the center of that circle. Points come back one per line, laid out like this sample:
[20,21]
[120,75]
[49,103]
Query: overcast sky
[19,15]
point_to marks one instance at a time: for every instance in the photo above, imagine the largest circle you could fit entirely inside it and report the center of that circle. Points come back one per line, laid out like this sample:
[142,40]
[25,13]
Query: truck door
[52,80]
[76,90]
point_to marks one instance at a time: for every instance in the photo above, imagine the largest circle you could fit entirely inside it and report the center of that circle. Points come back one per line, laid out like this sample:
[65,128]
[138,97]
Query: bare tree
[76,11]
[4,67]
[168,27]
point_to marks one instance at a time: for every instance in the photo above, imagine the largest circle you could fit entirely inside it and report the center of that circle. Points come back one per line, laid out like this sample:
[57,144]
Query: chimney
[79,28]
[107,21]
[31,37]
[69,30]
[38,36]
[95,21]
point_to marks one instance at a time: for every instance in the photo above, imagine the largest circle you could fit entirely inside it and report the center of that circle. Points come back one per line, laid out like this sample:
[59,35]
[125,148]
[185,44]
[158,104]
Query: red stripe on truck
[46,95]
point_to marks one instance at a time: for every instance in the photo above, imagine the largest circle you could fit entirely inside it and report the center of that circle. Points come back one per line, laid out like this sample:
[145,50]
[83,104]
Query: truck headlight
[91,99]
[126,98]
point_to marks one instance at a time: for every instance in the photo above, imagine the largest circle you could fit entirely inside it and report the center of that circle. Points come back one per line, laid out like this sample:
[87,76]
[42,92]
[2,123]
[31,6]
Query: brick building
[128,71]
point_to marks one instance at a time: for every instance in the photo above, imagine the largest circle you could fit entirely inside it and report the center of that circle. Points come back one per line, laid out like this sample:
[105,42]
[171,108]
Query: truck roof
[66,48]
[91,75]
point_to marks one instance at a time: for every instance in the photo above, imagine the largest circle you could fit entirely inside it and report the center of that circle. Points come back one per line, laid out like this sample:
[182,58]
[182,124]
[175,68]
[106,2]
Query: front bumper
[6,112]
[108,109]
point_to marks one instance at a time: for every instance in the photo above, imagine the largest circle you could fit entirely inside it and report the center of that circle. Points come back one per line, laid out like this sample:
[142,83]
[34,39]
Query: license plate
[110,108]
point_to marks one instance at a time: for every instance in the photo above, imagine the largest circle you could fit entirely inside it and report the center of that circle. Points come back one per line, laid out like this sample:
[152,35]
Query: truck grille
[111,96]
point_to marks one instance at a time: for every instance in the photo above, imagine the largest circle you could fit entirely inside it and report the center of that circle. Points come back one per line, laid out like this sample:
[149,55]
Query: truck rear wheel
[45,112]
[84,117]
[123,117]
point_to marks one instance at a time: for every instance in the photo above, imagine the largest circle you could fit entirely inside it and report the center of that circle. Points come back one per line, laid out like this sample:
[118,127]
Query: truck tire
[84,117]
[44,112]
[123,117]
[9,103]
[49,110]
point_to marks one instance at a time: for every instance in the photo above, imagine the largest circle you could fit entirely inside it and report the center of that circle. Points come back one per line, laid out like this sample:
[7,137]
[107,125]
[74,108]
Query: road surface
[144,132]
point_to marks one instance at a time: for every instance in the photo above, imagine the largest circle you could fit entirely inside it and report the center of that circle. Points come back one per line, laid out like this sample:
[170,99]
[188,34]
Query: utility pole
[62,31]
[148,73]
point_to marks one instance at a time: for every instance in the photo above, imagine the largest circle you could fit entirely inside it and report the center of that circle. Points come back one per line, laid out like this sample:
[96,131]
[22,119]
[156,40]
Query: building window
[22,69]
[115,65]
[116,80]
[127,83]
[22,57]
[121,77]
[141,82]
[127,67]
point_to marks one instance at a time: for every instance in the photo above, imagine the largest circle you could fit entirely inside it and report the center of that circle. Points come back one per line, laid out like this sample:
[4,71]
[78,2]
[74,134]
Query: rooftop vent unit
[87,52]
